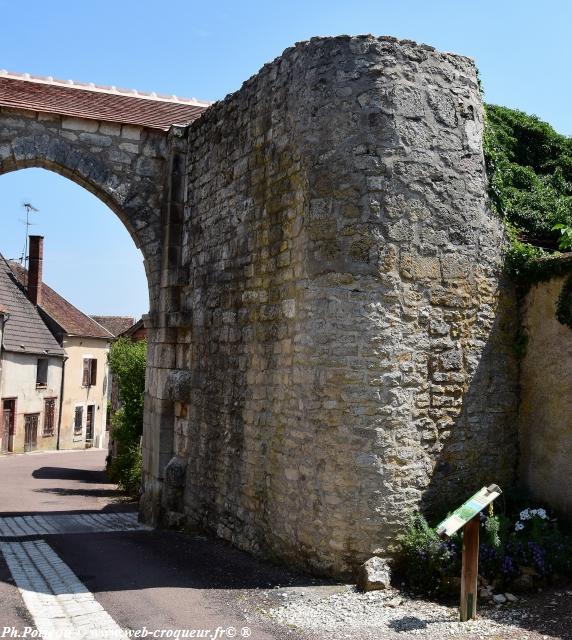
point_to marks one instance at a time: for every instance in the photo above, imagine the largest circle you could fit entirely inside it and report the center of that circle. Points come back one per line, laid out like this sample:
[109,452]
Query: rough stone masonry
[342,357]
[329,348]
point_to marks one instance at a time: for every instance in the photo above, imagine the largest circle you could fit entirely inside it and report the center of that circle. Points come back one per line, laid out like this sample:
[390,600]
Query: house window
[78,421]
[42,372]
[49,416]
[89,377]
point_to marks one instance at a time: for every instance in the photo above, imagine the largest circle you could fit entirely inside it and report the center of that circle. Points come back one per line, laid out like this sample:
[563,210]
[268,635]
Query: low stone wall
[341,355]
[546,399]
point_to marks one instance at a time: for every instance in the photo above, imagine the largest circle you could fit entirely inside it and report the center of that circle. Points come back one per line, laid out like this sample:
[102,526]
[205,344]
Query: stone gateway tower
[331,354]
[327,347]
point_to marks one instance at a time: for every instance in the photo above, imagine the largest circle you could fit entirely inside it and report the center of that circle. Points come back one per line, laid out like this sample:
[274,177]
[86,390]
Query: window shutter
[93,379]
[49,416]
[85,379]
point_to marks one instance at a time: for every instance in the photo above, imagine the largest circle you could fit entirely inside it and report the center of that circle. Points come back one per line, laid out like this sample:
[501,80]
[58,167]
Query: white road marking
[61,605]
[23,526]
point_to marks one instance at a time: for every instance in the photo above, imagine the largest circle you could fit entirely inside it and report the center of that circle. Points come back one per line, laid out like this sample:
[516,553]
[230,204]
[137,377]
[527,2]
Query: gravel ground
[339,611]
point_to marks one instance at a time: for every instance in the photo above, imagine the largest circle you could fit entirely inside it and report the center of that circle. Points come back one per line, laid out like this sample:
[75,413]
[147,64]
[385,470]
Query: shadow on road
[89,493]
[167,559]
[78,475]
[138,560]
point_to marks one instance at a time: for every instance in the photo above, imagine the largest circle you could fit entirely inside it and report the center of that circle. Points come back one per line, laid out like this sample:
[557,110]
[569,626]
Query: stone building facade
[330,341]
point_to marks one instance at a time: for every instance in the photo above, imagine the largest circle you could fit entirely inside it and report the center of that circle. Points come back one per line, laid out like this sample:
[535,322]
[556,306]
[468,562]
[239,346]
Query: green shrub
[125,469]
[425,560]
[127,363]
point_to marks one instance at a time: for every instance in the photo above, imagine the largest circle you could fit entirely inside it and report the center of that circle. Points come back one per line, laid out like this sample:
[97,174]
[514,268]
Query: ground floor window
[49,416]
[78,421]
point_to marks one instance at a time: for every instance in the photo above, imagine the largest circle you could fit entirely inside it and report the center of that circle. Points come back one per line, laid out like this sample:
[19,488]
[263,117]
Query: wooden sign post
[468,517]
[470,569]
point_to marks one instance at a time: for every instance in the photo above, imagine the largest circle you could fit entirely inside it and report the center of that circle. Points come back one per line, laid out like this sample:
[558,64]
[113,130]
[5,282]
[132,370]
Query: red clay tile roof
[115,324]
[80,100]
[71,320]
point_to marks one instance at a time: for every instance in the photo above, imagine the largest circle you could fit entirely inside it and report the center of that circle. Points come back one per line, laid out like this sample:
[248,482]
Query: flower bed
[517,552]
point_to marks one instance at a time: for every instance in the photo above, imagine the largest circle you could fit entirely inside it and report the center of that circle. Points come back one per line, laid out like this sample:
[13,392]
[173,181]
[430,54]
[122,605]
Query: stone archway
[117,145]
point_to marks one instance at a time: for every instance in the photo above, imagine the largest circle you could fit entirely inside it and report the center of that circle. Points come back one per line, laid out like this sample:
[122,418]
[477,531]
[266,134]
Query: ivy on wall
[530,173]
[529,166]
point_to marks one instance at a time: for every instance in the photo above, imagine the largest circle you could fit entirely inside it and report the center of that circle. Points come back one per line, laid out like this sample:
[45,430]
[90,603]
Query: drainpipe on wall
[61,402]
[4,317]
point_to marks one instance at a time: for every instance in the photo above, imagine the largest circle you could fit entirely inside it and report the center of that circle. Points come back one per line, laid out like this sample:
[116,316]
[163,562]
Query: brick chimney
[35,269]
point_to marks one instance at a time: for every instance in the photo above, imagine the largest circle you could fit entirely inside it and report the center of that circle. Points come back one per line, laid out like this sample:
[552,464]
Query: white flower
[525,515]
[518,526]
[541,513]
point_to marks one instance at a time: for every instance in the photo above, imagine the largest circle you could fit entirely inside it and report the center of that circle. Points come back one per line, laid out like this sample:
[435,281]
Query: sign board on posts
[467,516]
[468,510]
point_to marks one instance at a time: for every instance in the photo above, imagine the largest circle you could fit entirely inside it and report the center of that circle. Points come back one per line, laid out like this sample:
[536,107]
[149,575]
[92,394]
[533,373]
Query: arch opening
[73,221]
[55,386]
[100,193]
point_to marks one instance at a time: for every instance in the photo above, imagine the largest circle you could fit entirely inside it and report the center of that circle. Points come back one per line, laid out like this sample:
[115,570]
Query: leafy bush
[125,469]
[565,239]
[127,362]
[425,560]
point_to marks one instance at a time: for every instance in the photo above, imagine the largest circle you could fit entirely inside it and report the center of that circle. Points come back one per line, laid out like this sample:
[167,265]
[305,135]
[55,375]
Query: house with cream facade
[84,343]
[31,368]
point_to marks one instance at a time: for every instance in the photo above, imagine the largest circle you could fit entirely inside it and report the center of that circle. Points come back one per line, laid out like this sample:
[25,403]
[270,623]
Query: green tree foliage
[127,362]
[530,175]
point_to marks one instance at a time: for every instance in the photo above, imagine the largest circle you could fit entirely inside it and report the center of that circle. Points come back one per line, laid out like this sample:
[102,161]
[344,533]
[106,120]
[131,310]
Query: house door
[31,431]
[7,424]
[89,423]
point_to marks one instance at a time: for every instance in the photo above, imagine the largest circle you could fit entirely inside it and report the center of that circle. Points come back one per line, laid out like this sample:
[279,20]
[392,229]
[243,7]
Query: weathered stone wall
[546,399]
[341,357]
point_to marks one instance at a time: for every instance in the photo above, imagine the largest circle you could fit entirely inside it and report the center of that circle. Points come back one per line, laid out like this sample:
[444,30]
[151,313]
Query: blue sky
[523,49]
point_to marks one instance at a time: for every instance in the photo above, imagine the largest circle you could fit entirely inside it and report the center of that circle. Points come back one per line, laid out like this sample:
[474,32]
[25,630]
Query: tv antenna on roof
[29,209]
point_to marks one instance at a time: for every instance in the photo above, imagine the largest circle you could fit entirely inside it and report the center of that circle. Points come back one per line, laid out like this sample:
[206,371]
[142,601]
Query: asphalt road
[143,579]
[57,481]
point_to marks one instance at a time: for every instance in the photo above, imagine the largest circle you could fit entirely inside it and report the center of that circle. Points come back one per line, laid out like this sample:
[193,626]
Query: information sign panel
[468,510]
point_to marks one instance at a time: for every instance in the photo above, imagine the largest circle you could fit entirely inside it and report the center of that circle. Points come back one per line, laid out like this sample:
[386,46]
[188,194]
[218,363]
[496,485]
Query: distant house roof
[83,100]
[25,331]
[69,319]
[136,331]
[115,324]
